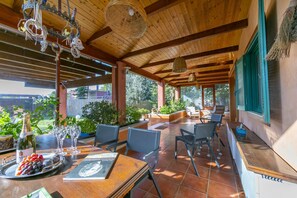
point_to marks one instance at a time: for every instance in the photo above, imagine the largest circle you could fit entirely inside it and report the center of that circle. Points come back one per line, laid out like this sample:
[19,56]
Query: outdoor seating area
[148,98]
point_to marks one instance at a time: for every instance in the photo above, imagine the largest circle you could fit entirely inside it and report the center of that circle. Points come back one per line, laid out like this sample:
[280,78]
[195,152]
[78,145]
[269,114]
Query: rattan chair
[106,135]
[147,144]
[203,134]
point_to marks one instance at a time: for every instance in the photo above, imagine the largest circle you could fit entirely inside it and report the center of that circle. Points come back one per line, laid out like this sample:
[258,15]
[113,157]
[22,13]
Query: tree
[82,92]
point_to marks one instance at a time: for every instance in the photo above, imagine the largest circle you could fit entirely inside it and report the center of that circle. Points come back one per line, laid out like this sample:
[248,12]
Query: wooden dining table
[125,173]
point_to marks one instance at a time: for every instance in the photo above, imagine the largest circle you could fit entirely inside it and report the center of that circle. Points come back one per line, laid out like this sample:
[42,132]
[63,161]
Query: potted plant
[144,113]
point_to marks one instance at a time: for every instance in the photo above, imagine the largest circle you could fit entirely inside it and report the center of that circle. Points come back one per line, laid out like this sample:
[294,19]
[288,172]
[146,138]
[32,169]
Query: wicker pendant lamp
[126,17]
[192,77]
[179,65]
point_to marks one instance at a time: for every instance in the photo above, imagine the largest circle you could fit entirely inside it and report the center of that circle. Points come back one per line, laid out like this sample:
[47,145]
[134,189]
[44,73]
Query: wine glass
[62,132]
[71,132]
[55,132]
[77,131]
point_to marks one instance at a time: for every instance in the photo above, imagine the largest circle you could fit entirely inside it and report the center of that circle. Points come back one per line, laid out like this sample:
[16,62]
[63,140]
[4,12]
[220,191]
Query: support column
[232,103]
[58,80]
[63,102]
[119,89]
[177,93]
[161,94]
[202,97]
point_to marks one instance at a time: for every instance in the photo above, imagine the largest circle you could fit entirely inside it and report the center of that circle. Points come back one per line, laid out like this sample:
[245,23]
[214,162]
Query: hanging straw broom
[287,34]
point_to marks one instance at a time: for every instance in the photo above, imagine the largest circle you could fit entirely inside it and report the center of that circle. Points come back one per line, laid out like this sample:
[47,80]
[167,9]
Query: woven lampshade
[126,17]
[179,65]
[192,77]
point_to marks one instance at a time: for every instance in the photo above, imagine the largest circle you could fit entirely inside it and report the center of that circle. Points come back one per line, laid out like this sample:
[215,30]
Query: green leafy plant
[173,107]
[102,112]
[86,125]
[143,111]
[165,110]
[12,124]
[132,115]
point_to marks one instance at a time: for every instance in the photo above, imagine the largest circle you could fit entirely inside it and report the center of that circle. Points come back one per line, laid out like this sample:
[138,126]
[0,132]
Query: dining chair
[203,134]
[147,144]
[106,135]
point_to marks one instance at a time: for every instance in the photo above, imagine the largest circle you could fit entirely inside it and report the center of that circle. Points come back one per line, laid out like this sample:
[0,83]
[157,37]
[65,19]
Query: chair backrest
[142,140]
[190,110]
[219,109]
[106,133]
[204,130]
[217,118]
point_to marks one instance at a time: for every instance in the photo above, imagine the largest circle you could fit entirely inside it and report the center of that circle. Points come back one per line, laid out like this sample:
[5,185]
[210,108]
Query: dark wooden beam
[142,72]
[150,10]
[40,84]
[212,74]
[206,83]
[66,58]
[17,5]
[88,81]
[196,55]
[214,71]
[214,31]
[11,18]
[206,65]
[202,79]
[20,78]
[21,67]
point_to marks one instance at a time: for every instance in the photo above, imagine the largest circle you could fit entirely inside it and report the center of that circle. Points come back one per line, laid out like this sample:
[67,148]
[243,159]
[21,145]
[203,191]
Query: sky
[15,87]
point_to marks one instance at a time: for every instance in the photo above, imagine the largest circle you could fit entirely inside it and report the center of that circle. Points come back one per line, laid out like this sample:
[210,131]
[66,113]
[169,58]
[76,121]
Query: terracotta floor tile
[223,177]
[176,177]
[185,192]
[138,193]
[217,189]
[179,165]
[146,185]
[172,175]
[150,195]
[168,188]
[195,182]
[203,171]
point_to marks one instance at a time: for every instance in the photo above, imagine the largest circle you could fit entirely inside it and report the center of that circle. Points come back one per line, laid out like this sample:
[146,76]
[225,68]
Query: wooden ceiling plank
[196,55]
[11,18]
[24,63]
[8,76]
[217,30]
[19,46]
[154,8]
[88,81]
[206,65]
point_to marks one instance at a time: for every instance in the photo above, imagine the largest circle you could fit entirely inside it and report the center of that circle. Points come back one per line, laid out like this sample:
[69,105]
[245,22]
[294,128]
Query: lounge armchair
[191,112]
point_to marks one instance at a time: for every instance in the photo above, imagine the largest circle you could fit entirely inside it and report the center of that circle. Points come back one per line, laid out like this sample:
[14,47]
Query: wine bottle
[24,146]
[30,135]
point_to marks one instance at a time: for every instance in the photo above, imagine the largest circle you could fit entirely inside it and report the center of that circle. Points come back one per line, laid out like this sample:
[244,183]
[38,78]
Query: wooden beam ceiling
[48,61]
[196,55]
[202,83]
[206,65]
[11,18]
[66,58]
[150,10]
[88,81]
[217,30]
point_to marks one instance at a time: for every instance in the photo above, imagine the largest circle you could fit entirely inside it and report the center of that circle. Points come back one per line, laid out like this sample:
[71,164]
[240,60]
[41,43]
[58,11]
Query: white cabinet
[256,185]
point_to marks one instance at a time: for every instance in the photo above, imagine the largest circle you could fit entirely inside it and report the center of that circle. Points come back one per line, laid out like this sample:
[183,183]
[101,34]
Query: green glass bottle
[24,146]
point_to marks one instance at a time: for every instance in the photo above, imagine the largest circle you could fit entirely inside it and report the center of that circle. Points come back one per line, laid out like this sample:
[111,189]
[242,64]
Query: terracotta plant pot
[6,142]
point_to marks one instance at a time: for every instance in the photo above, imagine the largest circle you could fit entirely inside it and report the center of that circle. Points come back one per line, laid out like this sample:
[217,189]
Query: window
[208,97]
[253,78]
[249,87]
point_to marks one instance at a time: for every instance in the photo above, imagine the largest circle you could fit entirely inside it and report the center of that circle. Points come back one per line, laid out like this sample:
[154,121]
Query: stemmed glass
[55,132]
[76,132]
[62,134]
[71,132]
